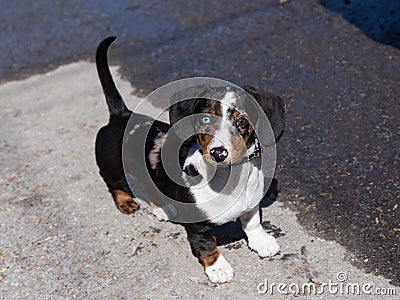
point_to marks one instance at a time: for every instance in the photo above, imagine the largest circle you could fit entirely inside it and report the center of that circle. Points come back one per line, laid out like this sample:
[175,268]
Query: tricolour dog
[220,164]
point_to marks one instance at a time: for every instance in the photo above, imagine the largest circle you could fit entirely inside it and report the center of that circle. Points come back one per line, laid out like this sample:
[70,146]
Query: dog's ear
[180,110]
[274,108]
[182,102]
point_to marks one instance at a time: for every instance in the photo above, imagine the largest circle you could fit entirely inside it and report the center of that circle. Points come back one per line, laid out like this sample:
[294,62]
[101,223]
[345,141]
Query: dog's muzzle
[219,154]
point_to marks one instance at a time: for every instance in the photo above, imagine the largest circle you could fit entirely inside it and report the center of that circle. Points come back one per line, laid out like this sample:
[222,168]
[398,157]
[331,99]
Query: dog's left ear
[274,108]
[182,102]
[180,110]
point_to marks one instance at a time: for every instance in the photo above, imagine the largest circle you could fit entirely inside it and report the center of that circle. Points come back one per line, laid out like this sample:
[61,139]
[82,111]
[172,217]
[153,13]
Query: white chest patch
[226,193]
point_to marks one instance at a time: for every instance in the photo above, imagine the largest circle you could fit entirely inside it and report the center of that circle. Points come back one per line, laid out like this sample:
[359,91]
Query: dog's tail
[114,100]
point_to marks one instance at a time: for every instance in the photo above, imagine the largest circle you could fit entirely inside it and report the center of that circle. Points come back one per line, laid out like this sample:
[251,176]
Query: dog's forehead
[222,99]
[235,99]
[208,106]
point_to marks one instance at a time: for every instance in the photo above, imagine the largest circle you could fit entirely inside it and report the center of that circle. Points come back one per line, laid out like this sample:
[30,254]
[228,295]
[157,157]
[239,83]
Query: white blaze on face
[222,136]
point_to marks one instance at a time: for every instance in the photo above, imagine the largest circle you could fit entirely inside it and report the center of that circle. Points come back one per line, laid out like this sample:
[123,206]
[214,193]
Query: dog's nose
[219,153]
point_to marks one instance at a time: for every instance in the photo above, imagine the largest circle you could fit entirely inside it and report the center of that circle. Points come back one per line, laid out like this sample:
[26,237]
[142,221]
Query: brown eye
[242,122]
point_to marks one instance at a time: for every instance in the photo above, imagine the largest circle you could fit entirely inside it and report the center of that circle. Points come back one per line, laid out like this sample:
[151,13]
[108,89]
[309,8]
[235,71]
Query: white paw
[220,272]
[265,244]
[165,213]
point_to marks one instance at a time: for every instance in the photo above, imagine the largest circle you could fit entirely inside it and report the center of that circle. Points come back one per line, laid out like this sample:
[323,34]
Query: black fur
[274,108]
[114,100]
[109,143]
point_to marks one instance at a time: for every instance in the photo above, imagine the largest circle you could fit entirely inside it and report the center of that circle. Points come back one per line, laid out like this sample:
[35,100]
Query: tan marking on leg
[124,202]
[208,258]
[153,205]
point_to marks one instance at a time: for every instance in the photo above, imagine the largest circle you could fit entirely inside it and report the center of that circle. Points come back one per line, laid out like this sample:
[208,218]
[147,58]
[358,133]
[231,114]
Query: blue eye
[206,120]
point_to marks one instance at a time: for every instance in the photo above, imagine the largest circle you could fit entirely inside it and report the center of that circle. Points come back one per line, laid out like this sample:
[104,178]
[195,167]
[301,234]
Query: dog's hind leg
[109,159]
[123,198]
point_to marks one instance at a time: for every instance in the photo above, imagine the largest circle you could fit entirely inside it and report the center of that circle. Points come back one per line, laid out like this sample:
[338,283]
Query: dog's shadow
[232,231]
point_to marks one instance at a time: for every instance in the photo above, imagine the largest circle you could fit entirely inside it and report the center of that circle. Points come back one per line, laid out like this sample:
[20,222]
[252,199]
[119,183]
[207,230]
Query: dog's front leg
[258,240]
[204,247]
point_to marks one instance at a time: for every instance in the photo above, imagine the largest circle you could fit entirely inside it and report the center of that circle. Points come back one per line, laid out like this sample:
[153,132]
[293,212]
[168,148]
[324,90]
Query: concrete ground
[62,237]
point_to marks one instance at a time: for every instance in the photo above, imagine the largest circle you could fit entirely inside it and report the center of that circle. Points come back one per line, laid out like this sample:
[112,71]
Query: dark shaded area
[338,159]
[378,19]
[232,231]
